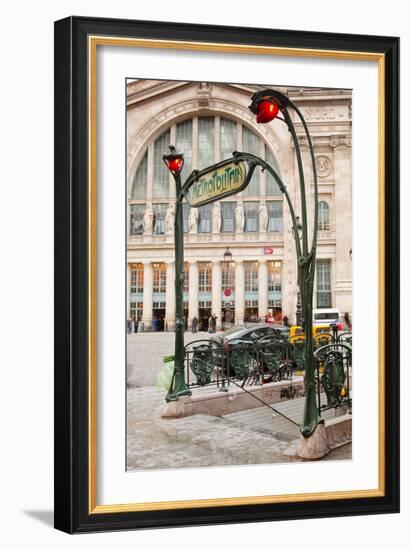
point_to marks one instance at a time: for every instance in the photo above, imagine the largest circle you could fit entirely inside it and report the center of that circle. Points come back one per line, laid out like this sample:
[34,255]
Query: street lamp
[266,105]
[175,162]
[227,290]
[227,255]
[298,302]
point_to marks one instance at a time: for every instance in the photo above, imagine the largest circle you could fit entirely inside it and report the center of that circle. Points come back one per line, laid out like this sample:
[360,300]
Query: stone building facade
[239,252]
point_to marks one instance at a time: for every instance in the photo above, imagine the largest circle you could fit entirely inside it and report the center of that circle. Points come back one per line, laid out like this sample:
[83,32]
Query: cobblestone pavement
[145,351]
[257,436]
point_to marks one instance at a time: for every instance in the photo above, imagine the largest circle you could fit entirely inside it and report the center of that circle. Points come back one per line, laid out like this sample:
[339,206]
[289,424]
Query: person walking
[195,325]
[213,322]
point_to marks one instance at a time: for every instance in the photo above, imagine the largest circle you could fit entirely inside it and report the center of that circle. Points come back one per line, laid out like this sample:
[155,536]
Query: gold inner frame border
[93,43]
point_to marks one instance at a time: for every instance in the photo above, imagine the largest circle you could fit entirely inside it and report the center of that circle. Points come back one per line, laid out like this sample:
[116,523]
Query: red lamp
[266,111]
[175,164]
[174,161]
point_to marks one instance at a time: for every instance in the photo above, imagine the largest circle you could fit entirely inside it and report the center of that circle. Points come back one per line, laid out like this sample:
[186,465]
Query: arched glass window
[228,138]
[323,216]
[195,137]
[206,141]
[250,144]
[271,187]
[205,219]
[160,184]
[184,144]
[139,184]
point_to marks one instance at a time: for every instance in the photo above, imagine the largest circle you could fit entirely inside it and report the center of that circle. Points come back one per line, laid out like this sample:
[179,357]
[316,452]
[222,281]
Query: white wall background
[26,323]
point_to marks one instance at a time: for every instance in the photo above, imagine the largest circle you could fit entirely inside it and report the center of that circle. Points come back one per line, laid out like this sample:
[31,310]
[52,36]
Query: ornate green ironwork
[203,364]
[306,257]
[297,351]
[335,362]
[333,377]
[242,361]
[274,360]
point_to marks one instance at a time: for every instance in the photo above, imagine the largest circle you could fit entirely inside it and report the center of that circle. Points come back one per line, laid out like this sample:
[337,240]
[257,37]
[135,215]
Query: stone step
[265,420]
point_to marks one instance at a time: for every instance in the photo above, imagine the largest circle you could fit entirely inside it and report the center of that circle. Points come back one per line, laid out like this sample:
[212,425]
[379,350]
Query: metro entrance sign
[227,178]
[218,181]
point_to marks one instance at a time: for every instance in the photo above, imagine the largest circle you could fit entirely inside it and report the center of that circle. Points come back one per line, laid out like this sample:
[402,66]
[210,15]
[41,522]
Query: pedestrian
[210,324]
[195,325]
[129,326]
[286,321]
[213,322]
[348,323]
[136,323]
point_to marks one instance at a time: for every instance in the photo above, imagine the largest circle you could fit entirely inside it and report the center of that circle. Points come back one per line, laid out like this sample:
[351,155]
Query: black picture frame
[73,513]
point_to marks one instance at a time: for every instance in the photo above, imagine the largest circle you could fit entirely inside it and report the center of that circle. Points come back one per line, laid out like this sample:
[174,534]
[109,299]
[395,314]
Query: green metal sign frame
[221,180]
[306,255]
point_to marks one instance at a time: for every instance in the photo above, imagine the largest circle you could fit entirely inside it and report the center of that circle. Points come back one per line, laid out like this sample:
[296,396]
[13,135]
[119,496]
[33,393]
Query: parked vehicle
[248,349]
[326,316]
[241,333]
[297,330]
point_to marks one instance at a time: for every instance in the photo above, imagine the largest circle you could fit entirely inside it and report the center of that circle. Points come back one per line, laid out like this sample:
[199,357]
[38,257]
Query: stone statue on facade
[239,217]
[216,218]
[193,220]
[263,218]
[169,221]
[148,220]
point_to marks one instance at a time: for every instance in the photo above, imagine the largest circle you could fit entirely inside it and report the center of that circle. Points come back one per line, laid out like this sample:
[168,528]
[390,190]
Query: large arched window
[203,140]
[139,185]
[251,144]
[160,183]
[323,216]
[229,137]
[184,143]
[271,187]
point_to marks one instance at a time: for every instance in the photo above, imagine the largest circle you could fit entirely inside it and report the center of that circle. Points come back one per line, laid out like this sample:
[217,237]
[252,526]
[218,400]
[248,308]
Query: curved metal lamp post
[175,162]
[266,105]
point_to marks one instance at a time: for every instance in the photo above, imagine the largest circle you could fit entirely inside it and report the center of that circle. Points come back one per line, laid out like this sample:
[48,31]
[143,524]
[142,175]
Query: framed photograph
[226,274]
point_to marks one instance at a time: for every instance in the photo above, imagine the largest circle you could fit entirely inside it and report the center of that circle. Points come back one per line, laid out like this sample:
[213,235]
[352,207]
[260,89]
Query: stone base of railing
[331,434]
[220,403]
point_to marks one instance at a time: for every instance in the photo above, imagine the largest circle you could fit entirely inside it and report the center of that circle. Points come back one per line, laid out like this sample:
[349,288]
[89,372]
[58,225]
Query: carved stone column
[263,288]
[170,296]
[147,297]
[342,278]
[239,291]
[216,292]
[193,292]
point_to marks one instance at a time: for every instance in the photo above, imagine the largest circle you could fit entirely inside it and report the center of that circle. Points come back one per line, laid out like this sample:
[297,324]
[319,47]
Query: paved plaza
[256,436]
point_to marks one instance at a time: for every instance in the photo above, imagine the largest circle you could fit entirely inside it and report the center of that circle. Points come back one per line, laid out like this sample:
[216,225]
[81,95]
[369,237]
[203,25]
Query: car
[253,334]
[245,359]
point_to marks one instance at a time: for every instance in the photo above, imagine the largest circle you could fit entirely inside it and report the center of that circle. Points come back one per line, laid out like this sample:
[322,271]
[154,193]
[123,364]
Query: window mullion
[150,171]
[217,139]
